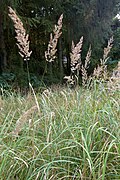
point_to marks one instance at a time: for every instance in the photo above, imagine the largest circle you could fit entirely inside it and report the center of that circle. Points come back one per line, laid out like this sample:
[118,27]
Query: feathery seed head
[22,37]
[51,51]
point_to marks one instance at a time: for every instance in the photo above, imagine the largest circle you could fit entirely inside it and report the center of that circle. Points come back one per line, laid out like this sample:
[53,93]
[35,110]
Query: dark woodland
[93,19]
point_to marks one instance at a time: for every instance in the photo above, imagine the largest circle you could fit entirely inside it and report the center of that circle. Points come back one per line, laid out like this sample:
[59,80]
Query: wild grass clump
[75,135]
[61,133]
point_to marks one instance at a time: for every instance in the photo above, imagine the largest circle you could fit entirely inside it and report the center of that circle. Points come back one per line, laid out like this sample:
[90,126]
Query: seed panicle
[51,50]
[21,36]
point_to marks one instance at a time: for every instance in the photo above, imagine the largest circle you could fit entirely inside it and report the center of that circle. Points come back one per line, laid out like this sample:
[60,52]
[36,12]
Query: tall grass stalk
[75,136]
[50,53]
[22,38]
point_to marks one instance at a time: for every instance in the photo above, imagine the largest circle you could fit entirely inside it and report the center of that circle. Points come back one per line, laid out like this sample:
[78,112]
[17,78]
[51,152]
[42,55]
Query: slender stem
[51,71]
[45,70]
[28,72]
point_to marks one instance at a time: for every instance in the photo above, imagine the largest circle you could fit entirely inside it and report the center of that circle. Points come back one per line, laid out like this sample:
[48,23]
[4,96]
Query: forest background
[93,19]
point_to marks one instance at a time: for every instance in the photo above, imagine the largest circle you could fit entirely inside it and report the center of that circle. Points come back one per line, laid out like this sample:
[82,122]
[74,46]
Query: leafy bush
[6,80]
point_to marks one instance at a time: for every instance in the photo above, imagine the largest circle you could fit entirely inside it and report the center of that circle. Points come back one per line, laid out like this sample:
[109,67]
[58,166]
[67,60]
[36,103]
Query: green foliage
[6,80]
[22,80]
[3,83]
[112,64]
[75,135]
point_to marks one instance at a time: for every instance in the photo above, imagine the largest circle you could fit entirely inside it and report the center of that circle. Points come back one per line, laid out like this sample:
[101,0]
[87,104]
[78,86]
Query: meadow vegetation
[73,134]
[62,132]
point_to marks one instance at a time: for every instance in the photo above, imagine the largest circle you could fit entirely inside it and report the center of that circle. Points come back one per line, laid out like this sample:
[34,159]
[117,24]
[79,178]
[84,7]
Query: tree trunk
[3,53]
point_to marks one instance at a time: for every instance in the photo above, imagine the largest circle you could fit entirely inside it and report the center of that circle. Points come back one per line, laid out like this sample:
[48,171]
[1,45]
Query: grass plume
[85,67]
[22,120]
[75,55]
[101,70]
[114,80]
[21,35]
[51,51]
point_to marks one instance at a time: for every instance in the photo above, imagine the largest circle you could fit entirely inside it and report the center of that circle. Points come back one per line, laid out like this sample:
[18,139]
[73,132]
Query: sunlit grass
[75,135]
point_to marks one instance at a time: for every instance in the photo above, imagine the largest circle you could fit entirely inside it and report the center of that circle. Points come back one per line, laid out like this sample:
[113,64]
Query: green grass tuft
[75,134]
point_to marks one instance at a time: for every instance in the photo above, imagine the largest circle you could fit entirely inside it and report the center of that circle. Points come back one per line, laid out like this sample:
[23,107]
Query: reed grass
[101,71]
[76,136]
[76,63]
[85,67]
[50,54]
[61,133]
[21,35]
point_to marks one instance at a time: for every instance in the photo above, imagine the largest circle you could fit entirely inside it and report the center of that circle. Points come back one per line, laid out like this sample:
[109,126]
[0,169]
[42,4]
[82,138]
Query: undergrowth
[73,134]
